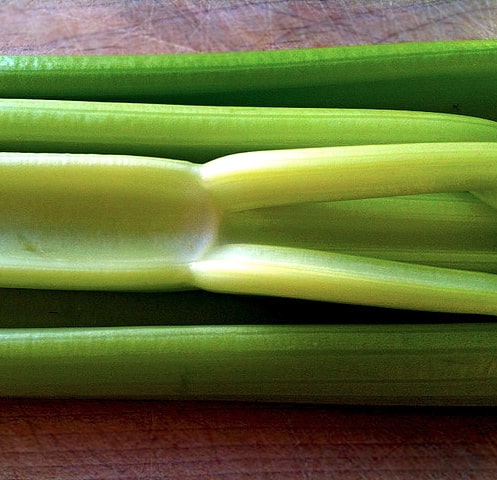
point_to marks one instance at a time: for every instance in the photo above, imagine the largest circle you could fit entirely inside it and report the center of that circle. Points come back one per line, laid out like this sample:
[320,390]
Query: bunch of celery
[338,175]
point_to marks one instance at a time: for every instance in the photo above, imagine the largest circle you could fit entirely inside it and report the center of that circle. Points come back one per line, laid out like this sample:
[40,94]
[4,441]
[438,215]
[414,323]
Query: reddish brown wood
[50,439]
[70,27]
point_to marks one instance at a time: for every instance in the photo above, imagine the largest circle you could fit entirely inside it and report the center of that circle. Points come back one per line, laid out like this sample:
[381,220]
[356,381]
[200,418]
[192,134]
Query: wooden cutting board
[150,26]
[50,439]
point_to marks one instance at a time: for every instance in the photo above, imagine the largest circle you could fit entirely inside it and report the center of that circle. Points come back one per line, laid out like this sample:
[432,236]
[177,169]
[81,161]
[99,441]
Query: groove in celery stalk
[454,230]
[487,196]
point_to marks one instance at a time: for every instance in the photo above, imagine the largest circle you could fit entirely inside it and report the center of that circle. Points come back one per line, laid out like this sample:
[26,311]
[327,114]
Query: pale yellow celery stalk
[260,179]
[135,223]
[326,276]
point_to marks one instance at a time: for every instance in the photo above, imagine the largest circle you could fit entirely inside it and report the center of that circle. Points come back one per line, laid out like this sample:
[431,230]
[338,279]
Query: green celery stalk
[200,133]
[374,364]
[454,230]
[450,77]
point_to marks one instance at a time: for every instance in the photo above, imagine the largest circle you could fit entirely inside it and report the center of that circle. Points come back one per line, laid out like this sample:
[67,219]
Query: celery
[391,226]
[200,133]
[140,223]
[450,77]
[454,230]
[375,364]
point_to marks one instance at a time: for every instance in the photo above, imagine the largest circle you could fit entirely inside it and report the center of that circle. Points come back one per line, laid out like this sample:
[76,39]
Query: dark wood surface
[94,439]
[197,441]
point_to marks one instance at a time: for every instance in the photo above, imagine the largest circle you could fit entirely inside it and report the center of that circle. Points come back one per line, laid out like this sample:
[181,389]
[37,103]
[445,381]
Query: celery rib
[140,223]
[374,364]
[200,132]
[252,180]
[450,77]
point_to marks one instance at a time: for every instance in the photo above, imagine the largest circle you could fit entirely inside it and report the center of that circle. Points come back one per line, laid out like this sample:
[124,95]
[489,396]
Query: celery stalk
[201,132]
[375,364]
[139,223]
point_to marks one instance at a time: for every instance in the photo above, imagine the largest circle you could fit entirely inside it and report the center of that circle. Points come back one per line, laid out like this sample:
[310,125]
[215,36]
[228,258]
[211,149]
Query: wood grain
[52,439]
[149,26]
[195,441]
